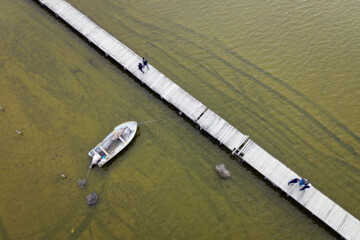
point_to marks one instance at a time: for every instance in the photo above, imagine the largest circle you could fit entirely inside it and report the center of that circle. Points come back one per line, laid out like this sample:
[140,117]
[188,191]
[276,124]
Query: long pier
[277,173]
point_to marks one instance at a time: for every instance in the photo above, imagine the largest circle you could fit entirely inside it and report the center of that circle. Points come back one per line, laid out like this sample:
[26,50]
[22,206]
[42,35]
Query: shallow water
[285,73]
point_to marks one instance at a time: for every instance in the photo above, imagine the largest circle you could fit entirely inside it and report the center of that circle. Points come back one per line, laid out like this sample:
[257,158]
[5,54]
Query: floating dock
[277,173]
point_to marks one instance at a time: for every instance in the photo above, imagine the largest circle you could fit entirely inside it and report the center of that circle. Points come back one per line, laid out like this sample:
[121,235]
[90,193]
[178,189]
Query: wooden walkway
[272,169]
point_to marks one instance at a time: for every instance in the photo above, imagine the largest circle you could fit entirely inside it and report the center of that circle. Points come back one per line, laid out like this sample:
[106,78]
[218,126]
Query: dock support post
[233,152]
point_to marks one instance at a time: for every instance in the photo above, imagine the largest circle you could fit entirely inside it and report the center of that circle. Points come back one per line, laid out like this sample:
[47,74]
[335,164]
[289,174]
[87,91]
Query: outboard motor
[96,158]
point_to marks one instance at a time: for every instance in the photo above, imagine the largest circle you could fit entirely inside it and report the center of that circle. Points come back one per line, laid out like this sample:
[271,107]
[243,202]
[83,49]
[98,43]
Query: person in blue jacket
[303,181]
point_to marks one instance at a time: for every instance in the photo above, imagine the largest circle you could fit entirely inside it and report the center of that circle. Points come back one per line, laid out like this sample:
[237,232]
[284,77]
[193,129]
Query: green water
[284,72]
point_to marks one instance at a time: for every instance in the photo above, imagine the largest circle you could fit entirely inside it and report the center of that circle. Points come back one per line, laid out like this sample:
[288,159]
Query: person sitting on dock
[145,63]
[303,181]
[295,180]
[141,67]
[307,185]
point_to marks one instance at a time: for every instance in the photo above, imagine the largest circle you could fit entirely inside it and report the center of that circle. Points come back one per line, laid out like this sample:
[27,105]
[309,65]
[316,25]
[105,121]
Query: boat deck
[114,144]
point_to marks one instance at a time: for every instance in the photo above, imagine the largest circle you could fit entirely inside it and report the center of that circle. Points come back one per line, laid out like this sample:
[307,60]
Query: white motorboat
[116,141]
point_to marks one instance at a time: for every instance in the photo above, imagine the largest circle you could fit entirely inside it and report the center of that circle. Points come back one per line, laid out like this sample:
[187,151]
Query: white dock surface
[273,170]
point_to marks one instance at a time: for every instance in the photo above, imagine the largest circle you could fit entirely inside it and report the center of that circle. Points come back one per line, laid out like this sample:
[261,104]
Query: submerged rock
[81,182]
[91,199]
[222,171]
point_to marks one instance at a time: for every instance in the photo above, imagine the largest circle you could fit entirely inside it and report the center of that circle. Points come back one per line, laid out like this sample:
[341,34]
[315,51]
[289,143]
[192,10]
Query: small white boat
[116,141]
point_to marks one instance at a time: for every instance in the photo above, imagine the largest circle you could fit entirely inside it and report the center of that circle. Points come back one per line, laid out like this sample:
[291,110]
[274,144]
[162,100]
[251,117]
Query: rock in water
[81,182]
[91,199]
[222,171]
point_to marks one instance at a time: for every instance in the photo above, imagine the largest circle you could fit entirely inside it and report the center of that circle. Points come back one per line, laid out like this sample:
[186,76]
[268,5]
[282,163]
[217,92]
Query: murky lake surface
[287,73]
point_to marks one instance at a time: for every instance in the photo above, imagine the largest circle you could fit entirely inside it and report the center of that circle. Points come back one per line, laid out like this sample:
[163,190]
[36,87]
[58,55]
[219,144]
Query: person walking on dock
[141,67]
[295,180]
[145,63]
